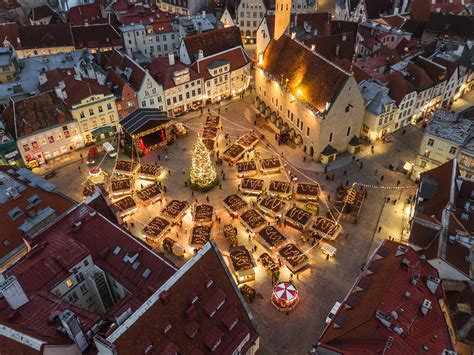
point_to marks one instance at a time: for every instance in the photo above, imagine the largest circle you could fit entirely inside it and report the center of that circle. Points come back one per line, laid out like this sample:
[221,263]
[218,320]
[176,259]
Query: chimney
[293,35]
[200,54]
[73,328]
[313,47]
[344,37]
[13,293]
[204,14]
[171,59]
[315,32]
[338,50]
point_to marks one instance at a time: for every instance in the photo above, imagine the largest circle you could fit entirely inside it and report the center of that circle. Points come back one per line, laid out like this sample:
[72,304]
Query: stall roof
[143,119]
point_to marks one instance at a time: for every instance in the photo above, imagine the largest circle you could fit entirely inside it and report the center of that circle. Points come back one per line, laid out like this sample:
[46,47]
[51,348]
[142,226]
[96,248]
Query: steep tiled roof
[212,42]
[198,309]
[236,57]
[436,72]
[9,31]
[418,77]
[162,72]
[334,47]
[318,80]
[382,289]
[35,113]
[399,86]
[376,8]
[119,63]
[414,27]
[44,36]
[320,21]
[40,12]
[100,35]
[461,26]
[85,13]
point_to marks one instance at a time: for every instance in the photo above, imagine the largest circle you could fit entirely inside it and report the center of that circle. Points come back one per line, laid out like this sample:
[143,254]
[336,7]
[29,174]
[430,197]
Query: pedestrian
[398,183]
[81,156]
[345,172]
[185,183]
[404,131]
[250,238]
[380,228]
[376,171]
[304,159]
[132,224]
[388,199]
[166,158]
[353,158]
[183,171]
[159,158]
[333,177]
[347,235]
[329,198]
[381,178]
[223,177]
[164,188]
[207,198]
[79,168]
[327,256]
[291,277]
[220,186]
[347,182]
[394,202]
[372,149]
[361,165]
[169,172]
[325,169]
[297,276]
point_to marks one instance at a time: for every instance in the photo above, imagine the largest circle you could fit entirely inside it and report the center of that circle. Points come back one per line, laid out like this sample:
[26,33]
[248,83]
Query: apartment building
[182,7]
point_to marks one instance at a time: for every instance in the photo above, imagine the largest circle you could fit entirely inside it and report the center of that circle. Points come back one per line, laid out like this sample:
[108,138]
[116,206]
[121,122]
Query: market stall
[248,140]
[269,264]
[120,188]
[212,121]
[285,296]
[235,204]
[270,165]
[304,192]
[243,264]
[199,236]
[323,227]
[271,238]
[251,186]
[125,206]
[252,220]
[210,144]
[125,167]
[298,218]
[348,203]
[156,229]
[293,257]
[210,132]
[234,153]
[175,210]
[248,292]
[230,233]
[203,214]
[88,190]
[280,188]
[272,206]
[246,168]
[149,194]
[149,172]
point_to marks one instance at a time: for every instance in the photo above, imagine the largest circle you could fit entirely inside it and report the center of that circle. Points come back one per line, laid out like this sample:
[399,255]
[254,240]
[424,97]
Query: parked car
[109,148]
[333,312]
[92,155]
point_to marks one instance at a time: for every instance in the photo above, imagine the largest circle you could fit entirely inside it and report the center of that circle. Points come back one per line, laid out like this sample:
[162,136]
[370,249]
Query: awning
[355,142]
[329,150]
[101,130]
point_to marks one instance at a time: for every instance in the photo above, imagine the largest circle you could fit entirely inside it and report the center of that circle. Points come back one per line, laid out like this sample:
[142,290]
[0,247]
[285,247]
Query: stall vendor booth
[234,204]
[199,236]
[246,168]
[285,296]
[210,132]
[126,168]
[125,207]
[251,186]
[293,257]
[298,218]
[230,233]
[120,188]
[88,190]
[149,172]
[323,227]
[252,220]
[243,264]
[210,144]
[233,153]
[270,165]
[269,264]
[271,238]
[212,121]
[175,210]
[305,192]
[203,214]
[149,194]
[272,206]
[156,229]
[349,203]
[248,141]
[280,188]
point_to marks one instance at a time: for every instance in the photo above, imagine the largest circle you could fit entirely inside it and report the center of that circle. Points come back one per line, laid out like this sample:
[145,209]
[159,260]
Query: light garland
[203,172]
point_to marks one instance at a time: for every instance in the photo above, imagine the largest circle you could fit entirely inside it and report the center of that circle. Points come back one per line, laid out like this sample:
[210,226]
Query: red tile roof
[9,32]
[153,16]
[399,86]
[320,21]
[46,36]
[76,90]
[162,72]
[334,47]
[99,35]
[195,309]
[419,78]
[436,72]
[290,60]
[356,327]
[86,13]
[118,61]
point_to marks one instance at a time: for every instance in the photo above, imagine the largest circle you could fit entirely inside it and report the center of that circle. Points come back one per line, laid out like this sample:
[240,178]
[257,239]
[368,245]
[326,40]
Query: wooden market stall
[210,132]
[175,210]
[270,165]
[212,121]
[233,153]
[149,194]
[234,204]
[252,220]
[199,236]
[126,167]
[248,140]
[271,238]
[280,188]
[210,144]
[251,186]
[268,263]
[243,264]
[149,172]
[305,192]
[156,229]
[203,214]
[125,206]
[293,257]
[272,206]
[298,218]
[323,227]
[349,203]
[246,168]
[120,188]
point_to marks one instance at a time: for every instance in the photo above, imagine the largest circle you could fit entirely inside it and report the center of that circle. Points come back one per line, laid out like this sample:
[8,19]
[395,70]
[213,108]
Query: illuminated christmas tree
[203,174]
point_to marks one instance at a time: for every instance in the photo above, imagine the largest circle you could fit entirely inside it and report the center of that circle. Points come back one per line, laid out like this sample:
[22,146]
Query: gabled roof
[40,12]
[35,113]
[212,42]
[9,32]
[143,119]
[85,13]
[122,63]
[436,72]
[44,36]
[383,289]
[163,72]
[461,26]
[236,57]
[376,8]
[320,21]
[199,310]
[318,80]
[418,77]
[334,47]
[100,35]
[399,86]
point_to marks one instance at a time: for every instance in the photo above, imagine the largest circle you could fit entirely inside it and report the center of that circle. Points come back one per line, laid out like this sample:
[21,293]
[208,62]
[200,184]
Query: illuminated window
[59,136]
[68,282]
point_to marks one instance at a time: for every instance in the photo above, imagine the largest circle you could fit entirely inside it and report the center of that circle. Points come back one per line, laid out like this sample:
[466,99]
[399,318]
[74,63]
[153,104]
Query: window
[348,131]
[112,118]
[42,141]
[168,102]
[146,273]
[81,114]
[430,142]
[86,262]
[91,112]
[109,106]
[94,124]
[330,137]
[117,250]
[59,136]
[50,139]
[85,127]
[143,103]
[103,122]
[101,109]
[452,150]
[83,289]
[6,242]
[79,277]
[34,145]
[307,131]
[69,283]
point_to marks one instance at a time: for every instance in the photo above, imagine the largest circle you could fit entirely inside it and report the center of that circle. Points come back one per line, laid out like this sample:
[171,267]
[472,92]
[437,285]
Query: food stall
[234,204]
[252,220]
[270,165]
[149,172]
[323,227]
[210,144]
[199,236]
[125,206]
[305,192]
[348,203]
[285,296]
[272,206]
[120,188]
[175,210]
[298,218]
[293,257]
[269,264]
[230,233]
[212,121]
[126,168]
[248,292]
[233,153]
[280,188]
[251,186]
[271,238]
[248,140]
[156,229]
[88,190]
[203,214]
[246,168]
[210,132]
[149,194]
[243,264]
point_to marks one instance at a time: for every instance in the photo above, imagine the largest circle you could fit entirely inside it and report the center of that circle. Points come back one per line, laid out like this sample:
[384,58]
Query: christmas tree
[203,174]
